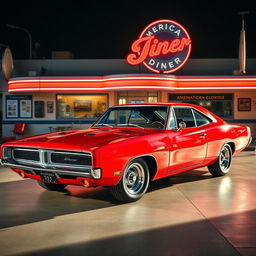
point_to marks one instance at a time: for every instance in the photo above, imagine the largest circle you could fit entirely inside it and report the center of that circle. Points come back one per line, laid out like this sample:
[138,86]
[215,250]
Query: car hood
[82,140]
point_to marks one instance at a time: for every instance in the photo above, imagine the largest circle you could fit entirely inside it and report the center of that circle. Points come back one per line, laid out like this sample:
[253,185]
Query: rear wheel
[222,166]
[134,182]
[52,186]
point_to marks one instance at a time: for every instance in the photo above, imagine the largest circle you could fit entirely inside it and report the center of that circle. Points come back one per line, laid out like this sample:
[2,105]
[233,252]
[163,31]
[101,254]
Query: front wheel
[52,186]
[134,182]
[222,166]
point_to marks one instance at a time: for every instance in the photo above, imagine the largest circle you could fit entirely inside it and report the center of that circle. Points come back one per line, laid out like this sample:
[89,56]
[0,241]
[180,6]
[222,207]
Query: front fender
[113,158]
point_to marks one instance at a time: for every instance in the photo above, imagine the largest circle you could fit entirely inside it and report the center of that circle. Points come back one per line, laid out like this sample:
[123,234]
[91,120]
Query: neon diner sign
[163,47]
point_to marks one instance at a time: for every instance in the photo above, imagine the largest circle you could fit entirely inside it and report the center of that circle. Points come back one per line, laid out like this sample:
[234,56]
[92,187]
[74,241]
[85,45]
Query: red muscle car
[127,147]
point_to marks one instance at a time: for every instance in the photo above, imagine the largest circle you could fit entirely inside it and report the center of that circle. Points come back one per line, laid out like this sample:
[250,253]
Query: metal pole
[242,46]
[29,36]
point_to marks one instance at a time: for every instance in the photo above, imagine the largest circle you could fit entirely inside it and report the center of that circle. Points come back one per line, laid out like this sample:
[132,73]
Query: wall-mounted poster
[49,106]
[244,104]
[25,108]
[11,108]
[83,105]
[18,106]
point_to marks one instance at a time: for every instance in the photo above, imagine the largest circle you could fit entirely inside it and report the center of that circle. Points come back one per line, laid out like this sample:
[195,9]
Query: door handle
[202,134]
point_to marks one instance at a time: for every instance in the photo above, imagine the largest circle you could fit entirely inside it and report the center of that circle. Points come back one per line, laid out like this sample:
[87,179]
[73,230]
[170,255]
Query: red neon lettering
[153,48]
[142,52]
[162,48]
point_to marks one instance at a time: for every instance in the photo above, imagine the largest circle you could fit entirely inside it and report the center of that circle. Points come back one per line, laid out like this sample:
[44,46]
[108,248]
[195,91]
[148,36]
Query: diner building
[60,94]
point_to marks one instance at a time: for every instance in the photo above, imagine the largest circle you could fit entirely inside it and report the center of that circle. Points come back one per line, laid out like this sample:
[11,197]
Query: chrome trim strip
[25,160]
[57,171]
[67,152]
[56,164]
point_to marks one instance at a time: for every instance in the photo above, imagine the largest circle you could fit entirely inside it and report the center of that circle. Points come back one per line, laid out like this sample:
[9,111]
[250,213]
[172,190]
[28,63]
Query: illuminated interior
[125,97]
[81,106]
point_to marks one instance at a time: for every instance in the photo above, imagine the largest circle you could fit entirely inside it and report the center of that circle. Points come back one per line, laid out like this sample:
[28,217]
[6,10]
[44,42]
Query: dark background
[104,29]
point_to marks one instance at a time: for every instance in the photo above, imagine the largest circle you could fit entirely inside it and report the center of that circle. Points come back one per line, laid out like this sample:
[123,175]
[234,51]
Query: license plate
[48,177]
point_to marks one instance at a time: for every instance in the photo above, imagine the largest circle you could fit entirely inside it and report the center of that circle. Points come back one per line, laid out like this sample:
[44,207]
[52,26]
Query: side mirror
[182,125]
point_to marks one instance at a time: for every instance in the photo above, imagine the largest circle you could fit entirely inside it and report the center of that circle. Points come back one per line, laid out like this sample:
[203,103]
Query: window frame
[172,114]
[203,115]
[103,117]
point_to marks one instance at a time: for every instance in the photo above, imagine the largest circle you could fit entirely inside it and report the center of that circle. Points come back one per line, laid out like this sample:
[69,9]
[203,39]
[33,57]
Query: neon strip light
[134,78]
[132,82]
[131,87]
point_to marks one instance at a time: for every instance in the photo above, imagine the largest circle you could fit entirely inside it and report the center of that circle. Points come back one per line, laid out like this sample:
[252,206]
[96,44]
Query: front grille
[70,158]
[51,159]
[26,154]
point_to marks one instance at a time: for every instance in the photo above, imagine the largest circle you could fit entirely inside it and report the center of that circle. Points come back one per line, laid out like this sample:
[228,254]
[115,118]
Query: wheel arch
[151,163]
[232,145]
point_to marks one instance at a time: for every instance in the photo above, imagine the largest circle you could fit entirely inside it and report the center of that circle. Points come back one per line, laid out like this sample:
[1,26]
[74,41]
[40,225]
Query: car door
[188,145]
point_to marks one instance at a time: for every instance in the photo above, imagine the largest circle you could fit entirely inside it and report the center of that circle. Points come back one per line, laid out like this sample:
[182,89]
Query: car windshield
[134,116]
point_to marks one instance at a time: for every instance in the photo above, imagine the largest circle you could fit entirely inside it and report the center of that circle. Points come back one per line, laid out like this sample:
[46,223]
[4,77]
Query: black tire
[52,186]
[222,166]
[134,182]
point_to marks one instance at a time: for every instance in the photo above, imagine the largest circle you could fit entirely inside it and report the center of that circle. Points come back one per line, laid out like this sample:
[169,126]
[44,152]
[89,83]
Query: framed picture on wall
[49,106]
[244,104]
[25,108]
[11,108]
[18,106]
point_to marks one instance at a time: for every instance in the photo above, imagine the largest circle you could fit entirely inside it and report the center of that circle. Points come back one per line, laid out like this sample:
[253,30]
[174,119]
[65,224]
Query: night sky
[102,29]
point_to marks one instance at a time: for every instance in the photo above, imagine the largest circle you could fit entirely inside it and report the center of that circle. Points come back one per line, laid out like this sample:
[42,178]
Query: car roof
[158,104]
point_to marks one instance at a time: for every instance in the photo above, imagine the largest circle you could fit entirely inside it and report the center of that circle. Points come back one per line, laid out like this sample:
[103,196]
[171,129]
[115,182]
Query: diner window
[138,97]
[81,106]
[219,104]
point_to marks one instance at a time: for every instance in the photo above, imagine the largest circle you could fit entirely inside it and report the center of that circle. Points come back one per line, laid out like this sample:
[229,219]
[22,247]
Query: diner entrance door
[127,97]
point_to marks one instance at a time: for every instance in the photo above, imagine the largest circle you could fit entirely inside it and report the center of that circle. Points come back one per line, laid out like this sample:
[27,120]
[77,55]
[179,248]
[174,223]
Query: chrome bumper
[249,142]
[86,173]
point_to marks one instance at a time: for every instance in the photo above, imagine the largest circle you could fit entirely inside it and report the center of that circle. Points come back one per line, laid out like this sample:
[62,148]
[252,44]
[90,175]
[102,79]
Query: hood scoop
[101,132]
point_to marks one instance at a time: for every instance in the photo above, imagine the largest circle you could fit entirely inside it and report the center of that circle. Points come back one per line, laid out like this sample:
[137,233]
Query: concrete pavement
[186,214]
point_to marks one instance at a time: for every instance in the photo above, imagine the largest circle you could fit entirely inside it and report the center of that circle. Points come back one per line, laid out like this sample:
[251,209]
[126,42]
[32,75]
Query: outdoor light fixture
[29,35]
[242,46]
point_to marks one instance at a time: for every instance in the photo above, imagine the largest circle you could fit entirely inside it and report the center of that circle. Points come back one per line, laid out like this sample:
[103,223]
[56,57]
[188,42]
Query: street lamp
[27,32]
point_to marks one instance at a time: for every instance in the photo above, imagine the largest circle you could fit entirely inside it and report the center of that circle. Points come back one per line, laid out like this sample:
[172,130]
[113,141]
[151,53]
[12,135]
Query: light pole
[27,32]
[242,46]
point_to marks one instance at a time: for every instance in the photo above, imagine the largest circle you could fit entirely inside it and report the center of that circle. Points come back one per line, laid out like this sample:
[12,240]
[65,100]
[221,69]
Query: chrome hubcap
[134,179]
[225,158]
[131,179]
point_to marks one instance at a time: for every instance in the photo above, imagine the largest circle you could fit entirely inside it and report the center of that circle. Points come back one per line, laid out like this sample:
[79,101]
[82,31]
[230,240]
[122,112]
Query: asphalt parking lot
[188,214]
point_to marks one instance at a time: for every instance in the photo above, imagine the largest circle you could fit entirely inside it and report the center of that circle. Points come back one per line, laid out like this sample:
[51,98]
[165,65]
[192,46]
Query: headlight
[7,153]
[96,173]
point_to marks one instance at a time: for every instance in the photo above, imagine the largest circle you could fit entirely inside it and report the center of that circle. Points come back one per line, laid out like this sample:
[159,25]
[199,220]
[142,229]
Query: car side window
[200,118]
[185,115]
